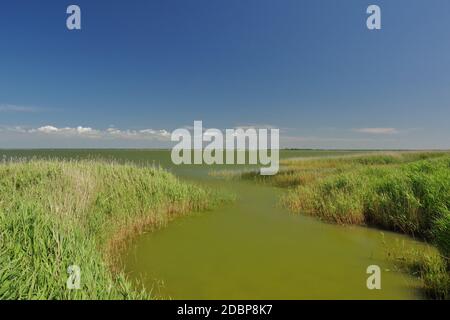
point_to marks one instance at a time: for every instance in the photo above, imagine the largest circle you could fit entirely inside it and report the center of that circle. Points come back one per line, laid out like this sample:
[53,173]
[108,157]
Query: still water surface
[254,249]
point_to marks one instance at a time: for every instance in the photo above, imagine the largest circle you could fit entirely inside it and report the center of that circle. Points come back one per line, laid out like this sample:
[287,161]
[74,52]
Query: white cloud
[88,132]
[147,131]
[45,129]
[82,130]
[164,133]
[377,130]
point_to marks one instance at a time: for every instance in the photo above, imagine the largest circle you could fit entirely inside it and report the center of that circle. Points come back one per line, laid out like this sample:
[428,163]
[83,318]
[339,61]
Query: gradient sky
[140,69]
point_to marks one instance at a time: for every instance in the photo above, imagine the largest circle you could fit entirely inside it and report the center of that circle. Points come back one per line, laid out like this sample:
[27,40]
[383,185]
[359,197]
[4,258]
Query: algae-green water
[251,248]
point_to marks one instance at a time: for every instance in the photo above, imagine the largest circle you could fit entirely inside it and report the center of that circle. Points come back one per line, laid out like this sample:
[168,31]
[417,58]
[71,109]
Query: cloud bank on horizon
[50,136]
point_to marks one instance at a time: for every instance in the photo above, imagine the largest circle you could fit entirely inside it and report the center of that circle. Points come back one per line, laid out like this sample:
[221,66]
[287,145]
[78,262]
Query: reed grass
[405,192]
[54,214]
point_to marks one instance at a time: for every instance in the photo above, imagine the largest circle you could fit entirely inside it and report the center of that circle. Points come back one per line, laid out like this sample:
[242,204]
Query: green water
[252,248]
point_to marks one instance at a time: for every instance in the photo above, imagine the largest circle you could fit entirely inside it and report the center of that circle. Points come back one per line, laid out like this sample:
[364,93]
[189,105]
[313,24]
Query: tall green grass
[54,214]
[403,192]
[425,263]
[301,171]
[412,198]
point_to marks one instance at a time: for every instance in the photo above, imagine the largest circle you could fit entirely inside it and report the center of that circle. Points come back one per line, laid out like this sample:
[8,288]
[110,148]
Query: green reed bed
[54,214]
[404,192]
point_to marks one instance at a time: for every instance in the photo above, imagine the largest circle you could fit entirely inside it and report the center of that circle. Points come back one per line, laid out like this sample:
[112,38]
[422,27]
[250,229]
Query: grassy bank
[54,214]
[403,192]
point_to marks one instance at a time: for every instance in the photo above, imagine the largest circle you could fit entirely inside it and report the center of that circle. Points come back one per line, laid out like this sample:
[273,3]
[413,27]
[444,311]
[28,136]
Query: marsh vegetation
[405,192]
[54,214]
[92,208]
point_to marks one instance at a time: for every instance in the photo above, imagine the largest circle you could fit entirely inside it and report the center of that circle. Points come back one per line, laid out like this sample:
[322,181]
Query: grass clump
[412,198]
[425,263]
[54,214]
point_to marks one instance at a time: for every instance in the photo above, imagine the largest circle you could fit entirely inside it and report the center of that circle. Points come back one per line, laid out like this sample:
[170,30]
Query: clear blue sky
[308,67]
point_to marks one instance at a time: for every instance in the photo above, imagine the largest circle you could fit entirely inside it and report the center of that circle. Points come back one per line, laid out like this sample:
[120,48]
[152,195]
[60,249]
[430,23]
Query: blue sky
[139,69]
